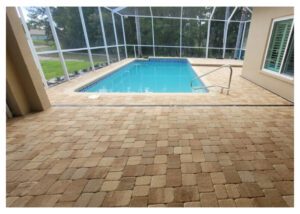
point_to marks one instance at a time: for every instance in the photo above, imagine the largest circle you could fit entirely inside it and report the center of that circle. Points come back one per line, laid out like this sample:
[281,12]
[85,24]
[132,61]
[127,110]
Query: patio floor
[83,153]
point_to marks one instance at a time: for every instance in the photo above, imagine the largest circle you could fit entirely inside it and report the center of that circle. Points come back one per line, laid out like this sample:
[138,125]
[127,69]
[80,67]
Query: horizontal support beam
[183,18]
[78,49]
[118,9]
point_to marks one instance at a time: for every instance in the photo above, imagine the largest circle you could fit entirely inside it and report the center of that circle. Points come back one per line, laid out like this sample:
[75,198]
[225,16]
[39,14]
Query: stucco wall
[25,90]
[257,46]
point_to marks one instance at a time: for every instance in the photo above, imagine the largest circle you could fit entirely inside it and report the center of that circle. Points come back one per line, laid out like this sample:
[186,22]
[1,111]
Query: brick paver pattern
[151,156]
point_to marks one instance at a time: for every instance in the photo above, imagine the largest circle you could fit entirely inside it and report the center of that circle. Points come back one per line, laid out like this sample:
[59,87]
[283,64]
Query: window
[280,53]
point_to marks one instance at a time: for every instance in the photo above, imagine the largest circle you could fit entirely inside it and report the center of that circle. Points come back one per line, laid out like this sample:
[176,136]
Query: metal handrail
[222,87]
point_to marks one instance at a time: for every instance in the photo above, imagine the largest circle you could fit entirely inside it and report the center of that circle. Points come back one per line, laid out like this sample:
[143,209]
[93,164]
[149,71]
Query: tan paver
[117,198]
[243,157]
[158,181]
[109,185]
[140,191]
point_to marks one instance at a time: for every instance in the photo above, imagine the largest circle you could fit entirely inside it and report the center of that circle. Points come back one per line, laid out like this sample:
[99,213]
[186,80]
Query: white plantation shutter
[288,65]
[278,43]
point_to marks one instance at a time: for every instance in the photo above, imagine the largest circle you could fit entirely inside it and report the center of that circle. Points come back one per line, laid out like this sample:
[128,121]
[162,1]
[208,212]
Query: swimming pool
[149,76]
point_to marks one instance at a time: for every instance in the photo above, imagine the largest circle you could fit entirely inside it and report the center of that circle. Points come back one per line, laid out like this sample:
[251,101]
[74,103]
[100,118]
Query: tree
[37,19]
[68,27]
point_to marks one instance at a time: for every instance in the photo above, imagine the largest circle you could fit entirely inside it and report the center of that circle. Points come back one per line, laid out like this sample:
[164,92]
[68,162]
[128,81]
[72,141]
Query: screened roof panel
[241,14]
[222,13]
[133,11]
[166,11]
[197,12]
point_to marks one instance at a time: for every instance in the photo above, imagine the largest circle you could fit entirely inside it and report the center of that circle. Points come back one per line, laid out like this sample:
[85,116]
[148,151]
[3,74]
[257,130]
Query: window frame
[270,72]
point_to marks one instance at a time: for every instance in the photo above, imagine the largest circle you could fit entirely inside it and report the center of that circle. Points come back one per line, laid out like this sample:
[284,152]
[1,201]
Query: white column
[153,39]
[116,36]
[134,51]
[180,41]
[103,33]
[57,44]
[32,48]
[138,34]
[208,31]
[226,31]
[242,42]
[124,36]
[86,38]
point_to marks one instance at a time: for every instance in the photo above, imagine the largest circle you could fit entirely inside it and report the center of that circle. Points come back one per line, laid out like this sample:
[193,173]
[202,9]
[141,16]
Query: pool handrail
[212,71]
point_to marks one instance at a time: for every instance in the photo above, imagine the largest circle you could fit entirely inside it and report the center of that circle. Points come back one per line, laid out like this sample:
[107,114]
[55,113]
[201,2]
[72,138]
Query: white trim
[99,47]
[268,44]
[134,49]
[226,30]
[232,13]
[153,38]
[242,42]
[212,13]
[86,38]
[118,9]
[277,75]
[57,43]
[249,9]
[138,33]
[183,18]
[286,47]
[207,38]
[180,39]
[32,48]
[124,36]
[112,10]
[208,31]
[116,36]
[176,46]
[77,49]
[113,46]
[282,18]
[103,34]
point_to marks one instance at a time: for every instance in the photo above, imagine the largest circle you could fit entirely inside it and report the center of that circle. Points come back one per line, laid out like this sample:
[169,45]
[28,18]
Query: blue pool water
[149,76]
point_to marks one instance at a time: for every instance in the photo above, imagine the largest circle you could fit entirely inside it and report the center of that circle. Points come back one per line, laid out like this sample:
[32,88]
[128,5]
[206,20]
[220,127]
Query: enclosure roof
[217,13]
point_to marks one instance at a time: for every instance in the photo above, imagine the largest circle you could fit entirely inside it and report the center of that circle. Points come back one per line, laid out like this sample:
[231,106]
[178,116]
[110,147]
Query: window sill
[280,77]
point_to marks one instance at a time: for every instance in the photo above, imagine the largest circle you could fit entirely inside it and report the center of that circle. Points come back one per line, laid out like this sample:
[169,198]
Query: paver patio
[158,156]
[83,153]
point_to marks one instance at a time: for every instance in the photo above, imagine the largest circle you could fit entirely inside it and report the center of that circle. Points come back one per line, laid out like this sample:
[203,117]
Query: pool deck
[215,62]
[242,91]
[154,150]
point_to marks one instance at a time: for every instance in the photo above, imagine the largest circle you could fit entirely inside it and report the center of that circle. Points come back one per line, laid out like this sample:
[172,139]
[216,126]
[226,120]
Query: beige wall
[25,90]
[256,47]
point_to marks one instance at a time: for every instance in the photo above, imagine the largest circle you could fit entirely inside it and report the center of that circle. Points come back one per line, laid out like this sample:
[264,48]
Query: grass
[53,68]
[44,45]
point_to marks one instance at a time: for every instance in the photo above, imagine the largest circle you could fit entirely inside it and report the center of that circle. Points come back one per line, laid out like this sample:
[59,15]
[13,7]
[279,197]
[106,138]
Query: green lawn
[53,68]
[43,45]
